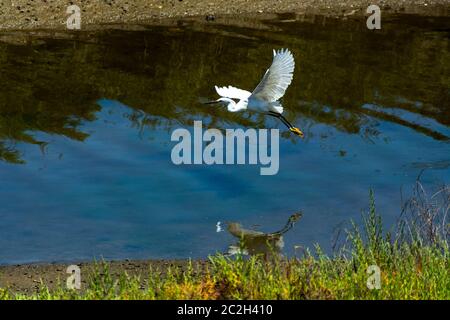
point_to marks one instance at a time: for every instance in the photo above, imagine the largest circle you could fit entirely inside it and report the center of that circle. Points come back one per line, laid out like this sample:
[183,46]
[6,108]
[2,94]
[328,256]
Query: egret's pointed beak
[297,131]
[211,102]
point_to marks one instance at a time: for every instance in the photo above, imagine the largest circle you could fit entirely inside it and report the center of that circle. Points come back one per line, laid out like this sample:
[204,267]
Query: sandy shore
[51,14]
[27,278]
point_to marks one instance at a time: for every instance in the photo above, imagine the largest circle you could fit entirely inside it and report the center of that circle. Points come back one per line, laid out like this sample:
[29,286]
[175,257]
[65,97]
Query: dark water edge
[85,124]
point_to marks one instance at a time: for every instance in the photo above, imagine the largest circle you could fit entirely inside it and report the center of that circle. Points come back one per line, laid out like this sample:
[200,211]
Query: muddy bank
[27,278]
[46,14]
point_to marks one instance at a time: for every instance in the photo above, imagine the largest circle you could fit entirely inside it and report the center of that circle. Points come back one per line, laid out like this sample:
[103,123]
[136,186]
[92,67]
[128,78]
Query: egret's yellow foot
[297,131]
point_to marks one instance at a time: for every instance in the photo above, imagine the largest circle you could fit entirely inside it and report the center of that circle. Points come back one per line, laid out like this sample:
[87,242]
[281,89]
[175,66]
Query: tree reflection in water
[52,85]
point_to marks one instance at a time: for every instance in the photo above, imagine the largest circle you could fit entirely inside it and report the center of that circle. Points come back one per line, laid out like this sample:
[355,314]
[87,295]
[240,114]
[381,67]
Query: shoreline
[40,14]
[26,278]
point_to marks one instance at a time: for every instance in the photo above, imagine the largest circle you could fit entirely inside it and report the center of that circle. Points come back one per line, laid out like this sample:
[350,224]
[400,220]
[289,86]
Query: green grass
[411,268]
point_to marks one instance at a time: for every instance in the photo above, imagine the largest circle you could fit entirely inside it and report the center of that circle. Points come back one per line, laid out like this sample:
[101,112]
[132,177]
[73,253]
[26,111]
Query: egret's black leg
[282,117]
[275,116]
[293,129]
[278,116]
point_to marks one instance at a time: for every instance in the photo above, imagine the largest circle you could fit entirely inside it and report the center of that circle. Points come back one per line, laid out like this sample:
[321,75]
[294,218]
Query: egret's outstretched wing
[232,92]
[277,78]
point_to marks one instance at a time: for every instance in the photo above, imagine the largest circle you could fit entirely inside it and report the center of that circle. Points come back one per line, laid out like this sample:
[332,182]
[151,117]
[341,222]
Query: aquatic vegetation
[410,269]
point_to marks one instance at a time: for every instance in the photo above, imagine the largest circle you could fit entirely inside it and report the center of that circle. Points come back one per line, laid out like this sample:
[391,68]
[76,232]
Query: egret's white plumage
[267,93]
[232,92]
[277,78]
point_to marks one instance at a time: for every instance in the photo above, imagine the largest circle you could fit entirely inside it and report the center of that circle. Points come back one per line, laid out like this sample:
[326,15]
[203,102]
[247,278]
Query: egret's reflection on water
[253,242]
[85,125]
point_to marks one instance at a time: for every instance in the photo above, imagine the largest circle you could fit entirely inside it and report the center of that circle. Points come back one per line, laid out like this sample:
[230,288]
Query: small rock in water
[210,17]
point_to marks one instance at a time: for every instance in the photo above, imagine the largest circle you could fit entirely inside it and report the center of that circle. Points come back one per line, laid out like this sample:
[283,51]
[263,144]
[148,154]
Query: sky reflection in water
[85,152]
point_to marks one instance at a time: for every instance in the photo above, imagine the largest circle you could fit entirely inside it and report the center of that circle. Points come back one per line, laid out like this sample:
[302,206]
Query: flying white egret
[265,97]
